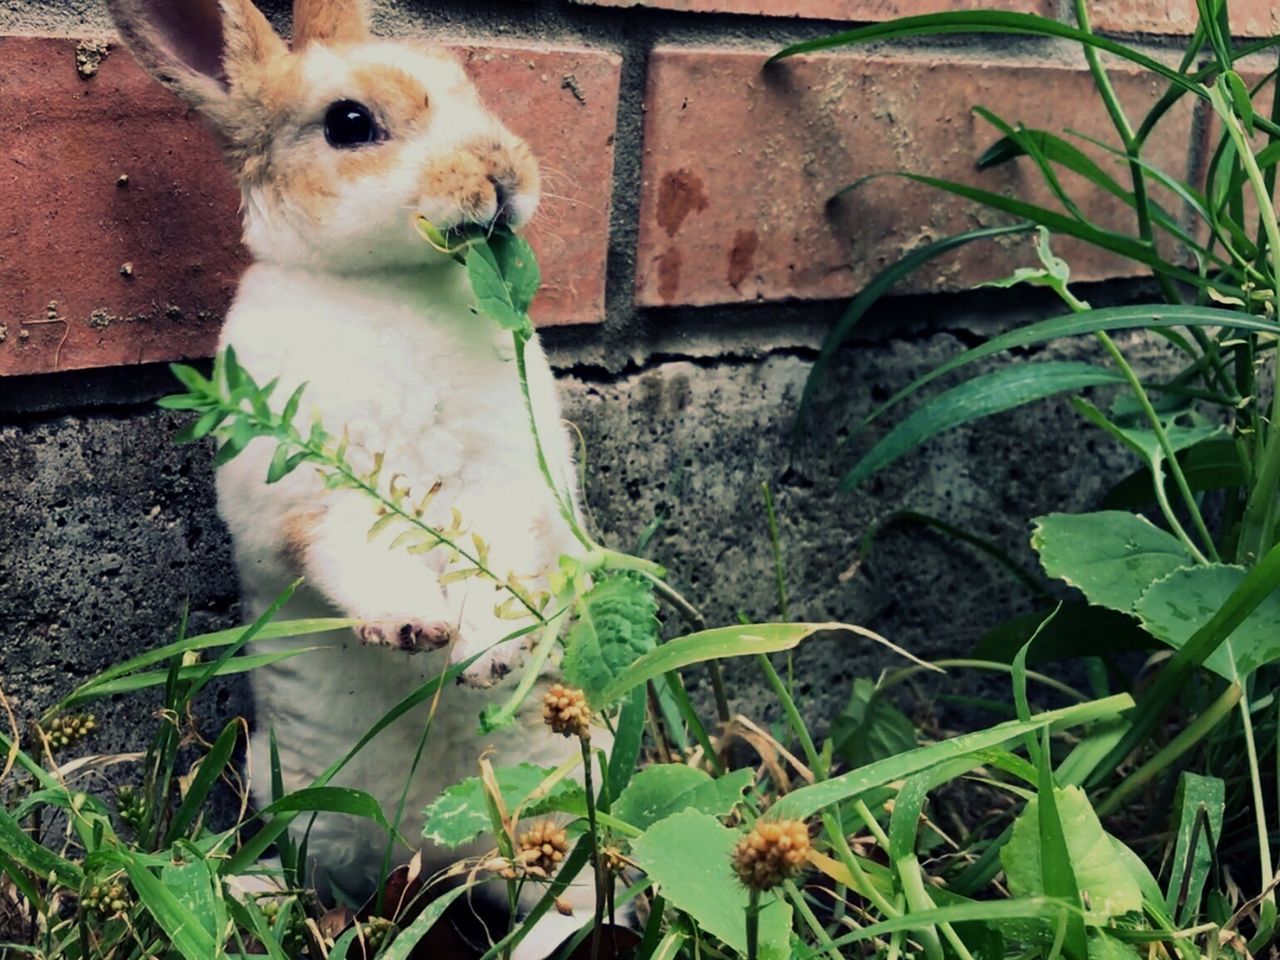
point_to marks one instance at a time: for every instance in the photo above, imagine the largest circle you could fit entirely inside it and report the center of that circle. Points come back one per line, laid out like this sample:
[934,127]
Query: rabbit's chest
[408,372]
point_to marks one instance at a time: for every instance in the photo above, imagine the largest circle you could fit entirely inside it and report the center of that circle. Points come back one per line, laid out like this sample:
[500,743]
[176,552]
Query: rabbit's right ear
[197,48]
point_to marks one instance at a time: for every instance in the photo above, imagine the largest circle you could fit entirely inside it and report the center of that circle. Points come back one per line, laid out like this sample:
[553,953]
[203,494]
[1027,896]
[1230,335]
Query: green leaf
[1211,465]
[1257,588]
[1148,316]
[1240,98]
[518,266]
[880,285]
[1111,556]
[211,767]
[657,792]
[41,861]
[870,727]
[1200,805]
[402,947]
[460,813]
[808,800]
[1105,883]
[984,395]
[1177,606]
[354,803]
[1077,630]
[196,887]
[186,933]
[689,857]
[616,624]
[493,297]
[734,641]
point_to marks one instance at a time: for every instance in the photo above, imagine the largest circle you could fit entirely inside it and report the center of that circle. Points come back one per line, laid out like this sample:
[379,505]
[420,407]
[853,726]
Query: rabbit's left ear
[329,21]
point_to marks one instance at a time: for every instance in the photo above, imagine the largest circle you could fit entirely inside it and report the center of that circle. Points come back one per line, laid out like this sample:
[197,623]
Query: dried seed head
[774,850]
[566,712]
[542,847]
[611,860]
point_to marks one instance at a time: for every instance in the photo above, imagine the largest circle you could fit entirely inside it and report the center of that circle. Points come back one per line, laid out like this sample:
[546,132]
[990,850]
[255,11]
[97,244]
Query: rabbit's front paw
[412,635]
[491,667]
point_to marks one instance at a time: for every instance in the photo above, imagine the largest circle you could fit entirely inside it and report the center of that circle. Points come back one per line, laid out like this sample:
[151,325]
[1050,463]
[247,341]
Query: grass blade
[983,396]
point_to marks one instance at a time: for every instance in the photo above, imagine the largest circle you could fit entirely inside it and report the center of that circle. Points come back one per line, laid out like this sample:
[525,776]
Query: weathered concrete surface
[109,528]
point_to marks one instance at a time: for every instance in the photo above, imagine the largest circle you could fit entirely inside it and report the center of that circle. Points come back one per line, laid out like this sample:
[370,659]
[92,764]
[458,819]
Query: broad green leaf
[1106,886]
[808,800]
[1111,556]
[1200,805]
[984,395]
[735,641]
[657,792]
[1177,606]
[689,857]
[493,297]
[616,623]
[186,932]
[460,813]
[196,887]
[870,727]
[1257,587]
[519,267]
[1151,317]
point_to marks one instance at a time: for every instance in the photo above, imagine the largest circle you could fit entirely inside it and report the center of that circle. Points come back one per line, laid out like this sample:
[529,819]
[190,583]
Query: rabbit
[338,141]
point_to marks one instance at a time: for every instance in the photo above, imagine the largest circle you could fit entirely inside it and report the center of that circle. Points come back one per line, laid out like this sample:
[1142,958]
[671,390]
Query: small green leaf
[493,296]
[657,792]
[870,727]
[616,623]
[1111,556]
[460,813]
[1177,606]
[689,857]
[197,888]
[519,267]
[1240,98]
[1106,885]
[279,466]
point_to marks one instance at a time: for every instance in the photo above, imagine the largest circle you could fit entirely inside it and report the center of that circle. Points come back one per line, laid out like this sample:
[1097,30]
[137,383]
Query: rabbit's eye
[349,124]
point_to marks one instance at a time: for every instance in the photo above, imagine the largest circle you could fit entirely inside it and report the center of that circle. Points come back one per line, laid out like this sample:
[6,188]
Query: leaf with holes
[460,813]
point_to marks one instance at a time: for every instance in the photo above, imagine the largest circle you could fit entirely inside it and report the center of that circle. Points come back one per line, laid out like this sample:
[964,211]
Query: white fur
[402,362]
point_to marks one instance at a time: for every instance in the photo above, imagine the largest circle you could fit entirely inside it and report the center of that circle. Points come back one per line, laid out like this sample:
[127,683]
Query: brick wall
[118,235]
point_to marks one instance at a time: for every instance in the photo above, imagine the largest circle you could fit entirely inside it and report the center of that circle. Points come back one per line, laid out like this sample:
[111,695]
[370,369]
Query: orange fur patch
[298,528]
[401,95]
[329,21]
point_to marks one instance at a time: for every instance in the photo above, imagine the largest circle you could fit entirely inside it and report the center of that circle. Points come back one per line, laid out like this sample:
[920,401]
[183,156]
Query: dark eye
[349,124]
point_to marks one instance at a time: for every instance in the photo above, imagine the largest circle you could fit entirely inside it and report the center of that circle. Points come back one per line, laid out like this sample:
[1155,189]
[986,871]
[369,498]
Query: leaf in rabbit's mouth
[500,265]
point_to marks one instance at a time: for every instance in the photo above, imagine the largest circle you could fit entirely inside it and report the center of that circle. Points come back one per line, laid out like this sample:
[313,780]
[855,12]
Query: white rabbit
[337,142]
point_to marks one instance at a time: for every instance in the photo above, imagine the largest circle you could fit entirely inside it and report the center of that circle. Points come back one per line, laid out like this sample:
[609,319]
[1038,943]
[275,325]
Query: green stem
[779,574]
[796,896]
[1162,437]
[595,846]
[796,722]
[753,924]
[1259,805]
[1188,737]
[694,618]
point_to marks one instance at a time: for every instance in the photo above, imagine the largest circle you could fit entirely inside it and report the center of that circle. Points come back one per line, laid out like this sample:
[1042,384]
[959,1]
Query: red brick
[739,166]
[856,10]
[1249,18]
[67,227]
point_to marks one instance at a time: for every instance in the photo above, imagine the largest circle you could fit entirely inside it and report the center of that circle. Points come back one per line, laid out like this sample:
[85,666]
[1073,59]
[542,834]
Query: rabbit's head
[338,140]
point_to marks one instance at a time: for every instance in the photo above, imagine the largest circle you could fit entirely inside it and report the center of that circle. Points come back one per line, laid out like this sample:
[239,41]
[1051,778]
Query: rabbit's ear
[329,21]
[197,48]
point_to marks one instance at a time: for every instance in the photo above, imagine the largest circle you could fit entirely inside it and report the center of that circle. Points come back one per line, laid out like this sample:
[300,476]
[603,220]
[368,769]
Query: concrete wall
[683,380]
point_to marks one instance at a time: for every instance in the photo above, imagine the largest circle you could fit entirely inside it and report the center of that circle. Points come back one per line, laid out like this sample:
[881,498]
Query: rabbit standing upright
[338,141]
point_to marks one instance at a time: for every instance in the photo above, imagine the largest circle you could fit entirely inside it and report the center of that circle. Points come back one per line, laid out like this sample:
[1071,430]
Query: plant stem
[753,925]
[1162,437]
[595,846]
[694,618]
[1188,737]
[1259,807]
[779,574]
